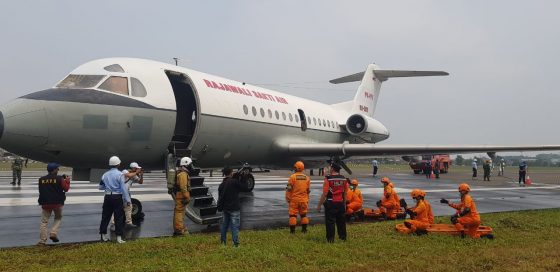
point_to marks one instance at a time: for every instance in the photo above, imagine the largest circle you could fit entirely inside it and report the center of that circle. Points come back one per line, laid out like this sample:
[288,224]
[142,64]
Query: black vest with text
[50,190]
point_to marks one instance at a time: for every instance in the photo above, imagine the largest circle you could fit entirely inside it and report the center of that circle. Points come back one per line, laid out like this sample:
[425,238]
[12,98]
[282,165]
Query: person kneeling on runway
[421,215]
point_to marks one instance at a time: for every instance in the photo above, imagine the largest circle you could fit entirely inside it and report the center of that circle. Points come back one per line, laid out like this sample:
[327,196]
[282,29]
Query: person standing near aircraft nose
[112,182]
[52,194]
[297,197]
[333,198]
[132,175]
[474,169]
[182,196]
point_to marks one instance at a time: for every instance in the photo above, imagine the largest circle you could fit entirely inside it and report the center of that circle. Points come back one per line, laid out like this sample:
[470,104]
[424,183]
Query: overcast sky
[503,56]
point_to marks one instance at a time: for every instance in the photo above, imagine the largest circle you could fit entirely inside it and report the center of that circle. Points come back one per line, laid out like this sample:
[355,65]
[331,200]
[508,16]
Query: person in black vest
[333,198]
[52,194]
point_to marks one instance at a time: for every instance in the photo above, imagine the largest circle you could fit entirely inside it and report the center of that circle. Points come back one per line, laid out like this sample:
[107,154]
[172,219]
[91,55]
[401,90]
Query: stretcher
[445,229]
[375,214]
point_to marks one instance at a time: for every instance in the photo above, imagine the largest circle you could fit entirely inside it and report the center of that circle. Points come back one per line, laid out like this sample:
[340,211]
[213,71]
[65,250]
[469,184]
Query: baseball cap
[134,165]
[52,166]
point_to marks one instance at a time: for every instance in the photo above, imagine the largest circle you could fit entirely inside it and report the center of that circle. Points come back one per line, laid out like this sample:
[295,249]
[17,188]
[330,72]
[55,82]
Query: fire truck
[418,164]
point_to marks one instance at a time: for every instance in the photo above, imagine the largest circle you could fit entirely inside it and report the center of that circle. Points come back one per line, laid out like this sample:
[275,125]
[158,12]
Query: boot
[104,238]
[489,236]
[292,229]
[120,240]
[304,228]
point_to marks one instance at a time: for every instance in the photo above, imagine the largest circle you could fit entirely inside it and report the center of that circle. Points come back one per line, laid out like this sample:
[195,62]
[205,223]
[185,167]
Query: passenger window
[137,88]
[296,117]
[314,121]
[324,123]
[277,115]
[116,85]
[269,114]
[245,109]
[284,116]
[254,111]
[309,120]
[262,112]
[291,118]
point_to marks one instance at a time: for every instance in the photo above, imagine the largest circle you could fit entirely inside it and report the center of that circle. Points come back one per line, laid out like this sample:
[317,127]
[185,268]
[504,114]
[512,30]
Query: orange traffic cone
[528,180]
[433,176]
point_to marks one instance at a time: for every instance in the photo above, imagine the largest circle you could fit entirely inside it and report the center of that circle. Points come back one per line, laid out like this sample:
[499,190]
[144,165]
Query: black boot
[304,228]
[293,229]
[489,236]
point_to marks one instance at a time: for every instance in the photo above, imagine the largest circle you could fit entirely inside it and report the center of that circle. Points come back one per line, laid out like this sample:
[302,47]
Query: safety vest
[50,190]
[337,184]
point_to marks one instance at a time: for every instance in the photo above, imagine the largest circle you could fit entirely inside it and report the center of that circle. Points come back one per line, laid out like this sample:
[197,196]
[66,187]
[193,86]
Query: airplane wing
[348,150]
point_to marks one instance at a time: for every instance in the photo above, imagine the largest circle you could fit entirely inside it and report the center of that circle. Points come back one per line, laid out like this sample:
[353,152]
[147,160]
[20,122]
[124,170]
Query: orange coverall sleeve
[289,187]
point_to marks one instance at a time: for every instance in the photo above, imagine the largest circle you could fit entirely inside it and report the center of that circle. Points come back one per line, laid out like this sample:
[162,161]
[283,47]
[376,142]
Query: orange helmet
[354,182]
[422,193]
[463,187]
[385,180]
[416,193]
[299,166]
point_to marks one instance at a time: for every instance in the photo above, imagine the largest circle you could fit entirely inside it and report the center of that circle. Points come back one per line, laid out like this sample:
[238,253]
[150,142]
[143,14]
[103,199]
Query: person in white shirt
[375,167]
[132,175]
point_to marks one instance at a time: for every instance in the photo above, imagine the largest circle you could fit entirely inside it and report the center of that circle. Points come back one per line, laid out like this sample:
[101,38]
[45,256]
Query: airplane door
[303,119]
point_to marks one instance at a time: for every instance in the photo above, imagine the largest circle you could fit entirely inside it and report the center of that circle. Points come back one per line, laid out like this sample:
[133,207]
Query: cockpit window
[114,68]
[116,84]
[137,88]
[80,81]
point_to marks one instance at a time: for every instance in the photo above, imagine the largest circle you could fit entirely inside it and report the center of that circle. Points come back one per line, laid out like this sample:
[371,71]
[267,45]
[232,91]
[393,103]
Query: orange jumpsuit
[297,195]
[469,222]
[181,194]
[422,219]
[355,201]
[390,203]
[430,213]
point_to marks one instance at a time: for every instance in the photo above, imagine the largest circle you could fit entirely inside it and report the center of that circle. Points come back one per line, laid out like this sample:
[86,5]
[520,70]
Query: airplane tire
[250,183]
[136,209]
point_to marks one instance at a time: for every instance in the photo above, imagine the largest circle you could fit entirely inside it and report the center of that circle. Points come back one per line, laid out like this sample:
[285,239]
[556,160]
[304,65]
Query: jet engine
[356,124]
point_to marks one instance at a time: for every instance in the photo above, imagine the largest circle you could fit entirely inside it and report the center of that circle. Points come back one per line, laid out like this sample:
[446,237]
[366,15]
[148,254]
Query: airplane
[152,112]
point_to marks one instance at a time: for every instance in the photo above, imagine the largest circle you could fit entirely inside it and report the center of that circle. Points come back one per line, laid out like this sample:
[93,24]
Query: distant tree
[459,160]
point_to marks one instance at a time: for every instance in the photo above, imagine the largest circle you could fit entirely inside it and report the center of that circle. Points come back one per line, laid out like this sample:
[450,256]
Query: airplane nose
[1,124]
[23,124]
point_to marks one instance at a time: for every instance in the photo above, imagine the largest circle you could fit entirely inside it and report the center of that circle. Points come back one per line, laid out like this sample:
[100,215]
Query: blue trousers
[230,220]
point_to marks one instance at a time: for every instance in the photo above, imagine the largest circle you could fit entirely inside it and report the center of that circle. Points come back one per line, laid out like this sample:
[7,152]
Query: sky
[502,56]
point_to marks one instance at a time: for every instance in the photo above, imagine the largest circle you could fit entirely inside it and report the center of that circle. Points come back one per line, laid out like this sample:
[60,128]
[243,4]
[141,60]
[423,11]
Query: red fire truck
[443,162]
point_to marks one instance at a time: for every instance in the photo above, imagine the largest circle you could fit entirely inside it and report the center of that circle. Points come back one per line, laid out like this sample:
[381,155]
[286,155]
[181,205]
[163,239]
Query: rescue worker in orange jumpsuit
[390,203]
[421,215]
[182,196]
[467,218]
[354,198]
[297,196]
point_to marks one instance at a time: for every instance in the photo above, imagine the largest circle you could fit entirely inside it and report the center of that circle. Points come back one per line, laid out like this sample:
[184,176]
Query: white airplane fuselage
[145,109]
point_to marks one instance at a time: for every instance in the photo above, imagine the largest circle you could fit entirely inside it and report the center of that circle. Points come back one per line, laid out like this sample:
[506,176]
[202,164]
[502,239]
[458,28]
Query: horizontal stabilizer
[383,75]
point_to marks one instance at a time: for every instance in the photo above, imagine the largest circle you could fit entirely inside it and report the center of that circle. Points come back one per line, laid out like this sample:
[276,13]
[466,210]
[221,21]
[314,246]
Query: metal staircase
[202,209]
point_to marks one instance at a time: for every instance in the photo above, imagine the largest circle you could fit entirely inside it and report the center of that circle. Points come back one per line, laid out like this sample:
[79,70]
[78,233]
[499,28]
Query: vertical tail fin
[365,100]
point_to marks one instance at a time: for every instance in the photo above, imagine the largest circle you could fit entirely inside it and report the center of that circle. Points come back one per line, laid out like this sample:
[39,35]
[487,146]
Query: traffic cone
[528,180]
[433,176]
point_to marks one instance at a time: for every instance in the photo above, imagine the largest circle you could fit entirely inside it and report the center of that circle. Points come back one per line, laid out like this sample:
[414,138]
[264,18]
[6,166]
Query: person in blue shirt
[116,195]
[522,172]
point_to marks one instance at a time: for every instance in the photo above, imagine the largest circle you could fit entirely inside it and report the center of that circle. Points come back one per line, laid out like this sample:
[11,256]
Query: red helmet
[299,166]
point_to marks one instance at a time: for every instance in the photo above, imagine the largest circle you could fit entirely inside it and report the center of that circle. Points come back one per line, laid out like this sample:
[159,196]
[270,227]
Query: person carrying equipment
[467,218]
[419,215]
[297,197]
[182,196]
[354,198]
[390,203]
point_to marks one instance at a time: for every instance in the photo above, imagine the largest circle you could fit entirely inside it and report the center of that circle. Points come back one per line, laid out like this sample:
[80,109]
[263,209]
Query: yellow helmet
[463,187]
[416,193]
[354,182]
[385,180]
[299,166]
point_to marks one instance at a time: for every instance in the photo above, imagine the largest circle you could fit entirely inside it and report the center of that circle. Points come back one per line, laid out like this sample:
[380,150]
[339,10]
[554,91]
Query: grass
[525,241]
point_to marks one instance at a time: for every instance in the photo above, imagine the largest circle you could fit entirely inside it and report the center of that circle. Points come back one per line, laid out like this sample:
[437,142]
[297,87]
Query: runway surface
[265,207]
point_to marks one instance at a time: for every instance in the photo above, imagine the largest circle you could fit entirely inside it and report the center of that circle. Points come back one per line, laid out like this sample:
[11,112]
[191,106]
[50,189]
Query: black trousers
[375,168]
[522,177]
[112,204]
[474,172]
[334,214]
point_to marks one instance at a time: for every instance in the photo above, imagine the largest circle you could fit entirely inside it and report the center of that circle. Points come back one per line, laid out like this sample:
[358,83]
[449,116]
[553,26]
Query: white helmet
[185,161]
[474,159]
[114,161]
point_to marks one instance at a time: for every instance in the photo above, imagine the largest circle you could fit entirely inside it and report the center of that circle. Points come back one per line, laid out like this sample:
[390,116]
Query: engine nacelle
[356,124]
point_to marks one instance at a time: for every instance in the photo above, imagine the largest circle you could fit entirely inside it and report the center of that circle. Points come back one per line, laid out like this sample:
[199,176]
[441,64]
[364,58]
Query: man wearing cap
[333,198]
[132,175]
[52,194]
[113,183]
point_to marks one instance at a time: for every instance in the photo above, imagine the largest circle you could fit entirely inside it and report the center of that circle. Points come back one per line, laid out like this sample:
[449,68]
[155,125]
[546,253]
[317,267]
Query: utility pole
[176,61]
